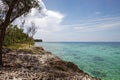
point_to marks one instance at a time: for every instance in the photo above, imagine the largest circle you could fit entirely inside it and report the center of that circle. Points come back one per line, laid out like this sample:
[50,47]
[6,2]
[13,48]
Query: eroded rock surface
[42,65]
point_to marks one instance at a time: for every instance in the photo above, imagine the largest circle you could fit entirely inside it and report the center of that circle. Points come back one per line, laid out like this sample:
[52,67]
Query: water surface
[99,59]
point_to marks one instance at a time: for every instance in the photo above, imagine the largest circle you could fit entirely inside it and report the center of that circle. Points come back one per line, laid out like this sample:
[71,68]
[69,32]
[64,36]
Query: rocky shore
[38,64]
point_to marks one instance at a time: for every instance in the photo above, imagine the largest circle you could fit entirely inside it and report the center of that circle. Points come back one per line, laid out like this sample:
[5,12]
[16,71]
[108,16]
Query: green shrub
[15,35]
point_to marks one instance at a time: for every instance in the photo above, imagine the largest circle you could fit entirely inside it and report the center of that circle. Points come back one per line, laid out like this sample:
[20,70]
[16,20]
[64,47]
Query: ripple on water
[74,54]
[98,74]
[116,52]
[97,58]
[77,57]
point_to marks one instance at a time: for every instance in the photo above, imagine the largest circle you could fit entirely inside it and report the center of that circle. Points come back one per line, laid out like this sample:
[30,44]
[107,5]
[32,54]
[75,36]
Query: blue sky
[87,20]
[77,20]
[76,10]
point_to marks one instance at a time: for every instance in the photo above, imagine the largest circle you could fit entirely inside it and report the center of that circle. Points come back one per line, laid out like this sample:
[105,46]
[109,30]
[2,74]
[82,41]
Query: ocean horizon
[99,59]
[81,41]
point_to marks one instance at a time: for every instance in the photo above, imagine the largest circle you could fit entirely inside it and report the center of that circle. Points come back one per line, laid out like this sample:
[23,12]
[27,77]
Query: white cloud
[97,24]
[96,27]
[47,21]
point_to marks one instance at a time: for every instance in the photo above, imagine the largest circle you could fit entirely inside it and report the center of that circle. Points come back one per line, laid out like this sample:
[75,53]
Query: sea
[99,59]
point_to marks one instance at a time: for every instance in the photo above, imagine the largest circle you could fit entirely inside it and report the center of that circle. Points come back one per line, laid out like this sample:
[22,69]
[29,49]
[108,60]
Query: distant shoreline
[38,40]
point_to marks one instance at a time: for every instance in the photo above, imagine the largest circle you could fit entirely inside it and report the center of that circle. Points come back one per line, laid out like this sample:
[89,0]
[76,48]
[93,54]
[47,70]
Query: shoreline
[39,64]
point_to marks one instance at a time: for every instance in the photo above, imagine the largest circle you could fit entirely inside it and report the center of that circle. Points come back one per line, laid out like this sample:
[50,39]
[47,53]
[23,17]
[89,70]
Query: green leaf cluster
[15,35]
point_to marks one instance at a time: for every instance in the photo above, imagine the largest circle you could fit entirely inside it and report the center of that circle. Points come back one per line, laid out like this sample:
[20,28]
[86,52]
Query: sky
[77,20]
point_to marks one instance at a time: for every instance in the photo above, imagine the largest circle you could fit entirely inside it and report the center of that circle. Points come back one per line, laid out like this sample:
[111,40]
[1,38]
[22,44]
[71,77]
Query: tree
[31,30]
[11,10]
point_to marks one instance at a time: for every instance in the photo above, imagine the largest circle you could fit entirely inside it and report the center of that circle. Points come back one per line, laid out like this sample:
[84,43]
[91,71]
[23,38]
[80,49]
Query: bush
[15,35]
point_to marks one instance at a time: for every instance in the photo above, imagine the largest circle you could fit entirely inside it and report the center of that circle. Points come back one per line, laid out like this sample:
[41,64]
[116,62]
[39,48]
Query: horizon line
[81,41]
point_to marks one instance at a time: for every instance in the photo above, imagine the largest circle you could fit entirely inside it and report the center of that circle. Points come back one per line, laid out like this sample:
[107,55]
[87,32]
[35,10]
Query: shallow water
[99,59]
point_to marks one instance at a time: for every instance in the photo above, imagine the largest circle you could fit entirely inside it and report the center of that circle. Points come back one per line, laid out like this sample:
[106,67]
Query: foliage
[16,8]
[9,11]
[15,35]
[31,30]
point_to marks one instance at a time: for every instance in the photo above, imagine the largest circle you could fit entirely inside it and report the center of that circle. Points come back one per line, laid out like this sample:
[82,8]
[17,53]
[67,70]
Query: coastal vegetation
[16,37]
[10,10]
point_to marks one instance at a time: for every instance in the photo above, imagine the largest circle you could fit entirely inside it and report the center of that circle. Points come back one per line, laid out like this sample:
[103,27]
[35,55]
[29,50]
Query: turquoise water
[101,60]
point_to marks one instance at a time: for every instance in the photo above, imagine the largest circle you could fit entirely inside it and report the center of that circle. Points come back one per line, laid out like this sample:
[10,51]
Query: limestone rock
[20,65]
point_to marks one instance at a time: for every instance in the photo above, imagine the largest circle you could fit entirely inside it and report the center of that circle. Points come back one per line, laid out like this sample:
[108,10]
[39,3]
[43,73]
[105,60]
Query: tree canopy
[13,9]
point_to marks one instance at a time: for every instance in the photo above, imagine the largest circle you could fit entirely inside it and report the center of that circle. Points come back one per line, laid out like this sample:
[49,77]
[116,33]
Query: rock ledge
[39,65]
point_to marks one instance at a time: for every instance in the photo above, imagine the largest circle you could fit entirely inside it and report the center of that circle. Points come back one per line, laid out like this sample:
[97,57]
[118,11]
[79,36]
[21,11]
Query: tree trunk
[3,27]
[2,36]
[1,63]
